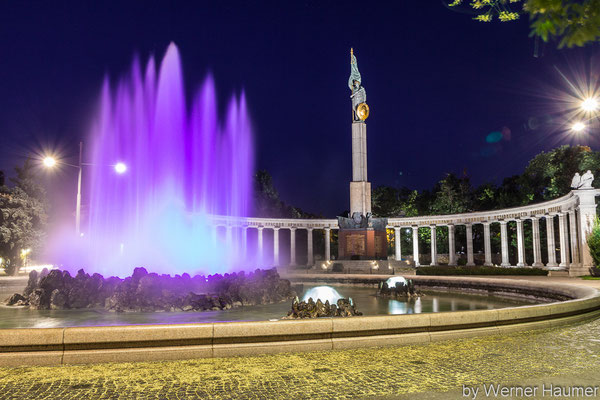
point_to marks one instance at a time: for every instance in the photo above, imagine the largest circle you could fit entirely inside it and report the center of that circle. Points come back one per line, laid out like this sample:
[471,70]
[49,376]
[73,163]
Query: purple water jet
[183,163]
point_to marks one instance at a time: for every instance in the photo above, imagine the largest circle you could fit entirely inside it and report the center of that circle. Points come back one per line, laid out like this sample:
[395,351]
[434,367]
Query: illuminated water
[363,298]
[323,293]
[391,282]
[183,162]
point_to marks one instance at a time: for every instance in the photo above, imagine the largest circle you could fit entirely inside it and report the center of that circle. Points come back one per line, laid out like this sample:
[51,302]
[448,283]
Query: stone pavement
[566,355]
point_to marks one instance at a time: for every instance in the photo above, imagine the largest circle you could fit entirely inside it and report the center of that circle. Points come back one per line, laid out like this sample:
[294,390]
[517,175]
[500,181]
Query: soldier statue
[359,95]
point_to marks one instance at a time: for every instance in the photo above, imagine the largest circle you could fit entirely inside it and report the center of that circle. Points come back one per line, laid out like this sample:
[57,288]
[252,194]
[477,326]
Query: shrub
[479,270]
[594,243]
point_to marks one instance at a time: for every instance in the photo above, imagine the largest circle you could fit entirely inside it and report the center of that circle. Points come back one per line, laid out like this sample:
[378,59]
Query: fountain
[183,164]
[323,293]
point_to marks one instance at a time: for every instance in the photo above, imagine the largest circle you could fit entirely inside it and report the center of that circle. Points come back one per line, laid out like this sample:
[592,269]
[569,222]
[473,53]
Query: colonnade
[310,256]
[568,241]
[576,213]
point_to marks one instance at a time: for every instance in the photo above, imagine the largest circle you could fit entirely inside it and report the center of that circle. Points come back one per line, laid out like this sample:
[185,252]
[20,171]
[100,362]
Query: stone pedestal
[362,244]
[587,214]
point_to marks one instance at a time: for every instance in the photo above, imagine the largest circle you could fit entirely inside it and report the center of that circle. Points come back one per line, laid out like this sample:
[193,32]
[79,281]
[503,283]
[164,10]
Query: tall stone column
[214,234]
[504,240]
[487,244]
[415,230]
[587,215]
[292,246]
[470,260]
[309,247]
[397,243]
[276,246]
[228,235]
[360,188]
[537,246]
[244,241]
[520,244]
[564,243]
[433,245]
[260,244]
[451,246]
[574,241]
[327,244]
[551,245]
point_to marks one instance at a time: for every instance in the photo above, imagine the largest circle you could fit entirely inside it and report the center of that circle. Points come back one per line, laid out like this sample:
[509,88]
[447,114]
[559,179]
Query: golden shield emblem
[362,111]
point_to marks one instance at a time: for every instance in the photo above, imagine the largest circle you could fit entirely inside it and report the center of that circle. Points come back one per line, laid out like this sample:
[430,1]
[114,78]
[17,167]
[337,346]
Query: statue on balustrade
[582,182]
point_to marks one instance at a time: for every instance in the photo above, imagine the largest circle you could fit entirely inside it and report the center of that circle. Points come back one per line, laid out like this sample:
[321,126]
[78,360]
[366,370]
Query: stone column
[244,241]
[470,260]
[260,243]
[564,243]
[551,245]
[276,246]
[451,246]
[292,246]
[214,234]
[416,245]
[228,235]
[504,240]
[397,243]
[433,245]
[520,244]
[587,215]
[574,241]
[537,246]
[309,247]
[487,244]
[327,244]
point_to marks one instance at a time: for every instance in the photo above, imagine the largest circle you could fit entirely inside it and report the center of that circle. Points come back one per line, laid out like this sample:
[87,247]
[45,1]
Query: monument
[361,237]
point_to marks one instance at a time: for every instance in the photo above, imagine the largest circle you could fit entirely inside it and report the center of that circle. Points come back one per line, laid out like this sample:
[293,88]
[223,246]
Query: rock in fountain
[329,304]
[148,292]
[398,287]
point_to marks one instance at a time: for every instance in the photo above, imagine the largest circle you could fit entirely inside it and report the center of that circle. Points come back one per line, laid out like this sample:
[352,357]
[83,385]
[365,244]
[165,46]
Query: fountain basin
[53,346]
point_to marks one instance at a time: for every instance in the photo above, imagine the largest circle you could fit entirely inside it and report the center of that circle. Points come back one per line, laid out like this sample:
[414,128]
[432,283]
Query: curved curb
[77,345]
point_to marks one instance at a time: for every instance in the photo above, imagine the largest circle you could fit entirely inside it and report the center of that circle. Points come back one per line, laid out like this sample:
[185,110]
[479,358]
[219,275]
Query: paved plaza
[560,356]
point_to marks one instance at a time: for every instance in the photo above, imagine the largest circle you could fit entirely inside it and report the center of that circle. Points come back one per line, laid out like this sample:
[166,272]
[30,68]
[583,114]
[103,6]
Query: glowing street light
[590,104]
[49,162]
[120,168]
[578,126]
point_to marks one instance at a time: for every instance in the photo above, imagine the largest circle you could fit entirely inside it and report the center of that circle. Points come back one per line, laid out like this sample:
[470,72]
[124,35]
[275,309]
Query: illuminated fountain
[323,293]
[183,163]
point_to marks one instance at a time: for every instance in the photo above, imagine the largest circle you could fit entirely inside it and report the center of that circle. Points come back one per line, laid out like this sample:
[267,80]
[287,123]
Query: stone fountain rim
[126,343]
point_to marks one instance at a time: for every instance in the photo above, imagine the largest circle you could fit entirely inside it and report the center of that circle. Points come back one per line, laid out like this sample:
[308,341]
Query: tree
[267,202]
[572,22]
[453,195]
[23,215]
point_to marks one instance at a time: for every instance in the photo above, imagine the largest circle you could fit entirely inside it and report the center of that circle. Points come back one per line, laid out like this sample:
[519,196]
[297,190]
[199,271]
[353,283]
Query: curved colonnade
[575,212]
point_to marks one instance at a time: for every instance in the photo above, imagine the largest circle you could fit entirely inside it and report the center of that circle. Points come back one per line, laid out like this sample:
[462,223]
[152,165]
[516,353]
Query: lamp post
[50,162]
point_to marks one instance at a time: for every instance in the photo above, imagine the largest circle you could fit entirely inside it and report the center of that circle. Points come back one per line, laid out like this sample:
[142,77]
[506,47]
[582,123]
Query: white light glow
[49,162]
[578,126]
[590,104]
[120,168]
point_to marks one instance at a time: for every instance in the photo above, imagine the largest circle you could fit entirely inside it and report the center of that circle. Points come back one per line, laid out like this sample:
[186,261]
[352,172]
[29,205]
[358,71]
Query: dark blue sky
[437,83]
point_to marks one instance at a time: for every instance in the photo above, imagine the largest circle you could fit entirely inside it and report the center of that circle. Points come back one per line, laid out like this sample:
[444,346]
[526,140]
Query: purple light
[182,164]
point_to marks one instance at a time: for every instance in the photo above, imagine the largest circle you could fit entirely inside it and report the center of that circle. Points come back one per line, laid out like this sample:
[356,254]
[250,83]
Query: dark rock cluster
[144,291]
[400,290]
[310,309]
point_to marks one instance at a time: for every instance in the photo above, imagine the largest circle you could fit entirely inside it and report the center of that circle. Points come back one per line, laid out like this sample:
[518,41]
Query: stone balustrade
[575,212]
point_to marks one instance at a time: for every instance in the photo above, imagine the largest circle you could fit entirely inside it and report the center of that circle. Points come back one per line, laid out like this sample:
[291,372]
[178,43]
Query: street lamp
[578,126]
[590,104]
[50,162]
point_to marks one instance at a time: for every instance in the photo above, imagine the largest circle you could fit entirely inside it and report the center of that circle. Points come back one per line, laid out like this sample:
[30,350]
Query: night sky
[437,82]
